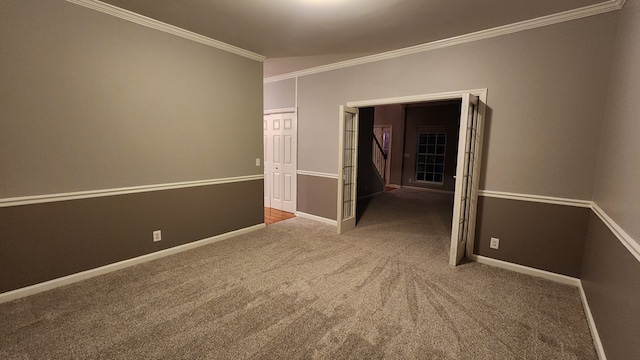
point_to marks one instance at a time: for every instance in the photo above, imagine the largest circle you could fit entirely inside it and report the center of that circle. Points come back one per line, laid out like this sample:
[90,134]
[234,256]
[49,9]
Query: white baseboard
[563,279]
[592,325]
[70,279]
[316,218]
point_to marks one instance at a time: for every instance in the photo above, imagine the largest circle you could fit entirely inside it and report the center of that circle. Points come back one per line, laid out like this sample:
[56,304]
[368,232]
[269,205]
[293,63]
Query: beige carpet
[295,290]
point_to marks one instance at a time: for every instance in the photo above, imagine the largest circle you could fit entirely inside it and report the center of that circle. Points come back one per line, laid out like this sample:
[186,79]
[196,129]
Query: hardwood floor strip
[272,216]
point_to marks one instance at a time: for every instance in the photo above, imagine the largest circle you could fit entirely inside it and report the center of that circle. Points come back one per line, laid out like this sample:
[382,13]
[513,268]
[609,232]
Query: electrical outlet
[157,235]
[495,243]
[257,161]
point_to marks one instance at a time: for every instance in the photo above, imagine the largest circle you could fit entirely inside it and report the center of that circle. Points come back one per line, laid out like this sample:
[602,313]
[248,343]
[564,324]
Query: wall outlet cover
[157,235]
[495,243]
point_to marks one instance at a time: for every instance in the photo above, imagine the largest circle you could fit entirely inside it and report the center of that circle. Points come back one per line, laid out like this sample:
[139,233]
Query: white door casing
[266,162]
[280,162]
[289,162]
[457,250]
[347,168]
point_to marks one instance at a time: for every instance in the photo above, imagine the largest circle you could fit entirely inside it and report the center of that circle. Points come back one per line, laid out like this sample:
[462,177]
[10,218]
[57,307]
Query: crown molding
[164,27]
[604,7]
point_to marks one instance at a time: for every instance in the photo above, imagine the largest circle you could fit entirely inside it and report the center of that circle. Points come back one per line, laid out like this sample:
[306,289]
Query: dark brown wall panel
[318,196]
[42,242]
[393,115]
[369,182]
[543,236]
[611,281]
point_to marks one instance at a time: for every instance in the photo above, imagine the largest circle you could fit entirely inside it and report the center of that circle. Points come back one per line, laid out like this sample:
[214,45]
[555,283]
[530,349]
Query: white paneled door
[280,161]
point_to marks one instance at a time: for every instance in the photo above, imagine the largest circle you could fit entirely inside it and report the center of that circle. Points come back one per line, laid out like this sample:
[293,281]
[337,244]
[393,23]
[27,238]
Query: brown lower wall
[42,242]
[611,281]
[318,196]
[543,236]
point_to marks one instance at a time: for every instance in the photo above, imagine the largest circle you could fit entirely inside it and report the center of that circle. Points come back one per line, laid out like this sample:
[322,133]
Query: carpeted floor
[295,290]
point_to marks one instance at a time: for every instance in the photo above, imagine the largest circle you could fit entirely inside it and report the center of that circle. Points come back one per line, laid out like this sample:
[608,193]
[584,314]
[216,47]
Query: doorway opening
[280,140]
[430,153]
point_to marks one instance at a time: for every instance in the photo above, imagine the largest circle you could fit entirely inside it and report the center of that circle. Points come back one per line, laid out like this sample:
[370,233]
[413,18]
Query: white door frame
[452,95]
[267,165]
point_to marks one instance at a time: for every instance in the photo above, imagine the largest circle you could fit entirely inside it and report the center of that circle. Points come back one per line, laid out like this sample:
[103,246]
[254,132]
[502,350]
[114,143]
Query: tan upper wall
[280,95]
[90,101]
[545,90]
[616,190]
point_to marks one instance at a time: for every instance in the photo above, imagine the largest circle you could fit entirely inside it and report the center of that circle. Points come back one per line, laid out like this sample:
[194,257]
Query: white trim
[481,94]
[316,218]
[592,324]
[536,198]
[563,279]
[569,15]
[622,235]
[280,111]
[39,199]
[70,279]
[416,98]
[626,239]
[164,27]
[296,92]
[318,174]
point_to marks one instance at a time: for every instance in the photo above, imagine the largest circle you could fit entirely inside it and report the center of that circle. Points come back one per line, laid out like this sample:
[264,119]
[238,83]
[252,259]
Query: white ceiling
[336,28]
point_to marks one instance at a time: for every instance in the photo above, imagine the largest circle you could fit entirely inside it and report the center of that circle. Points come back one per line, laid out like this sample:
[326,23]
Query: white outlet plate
[157,235]
[495,243]
[257,161]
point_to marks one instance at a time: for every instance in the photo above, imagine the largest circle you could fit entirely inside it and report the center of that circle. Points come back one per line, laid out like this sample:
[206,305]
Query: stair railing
[379,158]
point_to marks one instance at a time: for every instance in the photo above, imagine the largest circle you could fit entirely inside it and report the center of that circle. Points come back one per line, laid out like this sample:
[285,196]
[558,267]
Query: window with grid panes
[430,157]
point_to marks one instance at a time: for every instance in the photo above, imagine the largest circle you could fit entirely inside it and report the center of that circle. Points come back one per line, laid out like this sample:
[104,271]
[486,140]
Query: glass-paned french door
[348,168]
